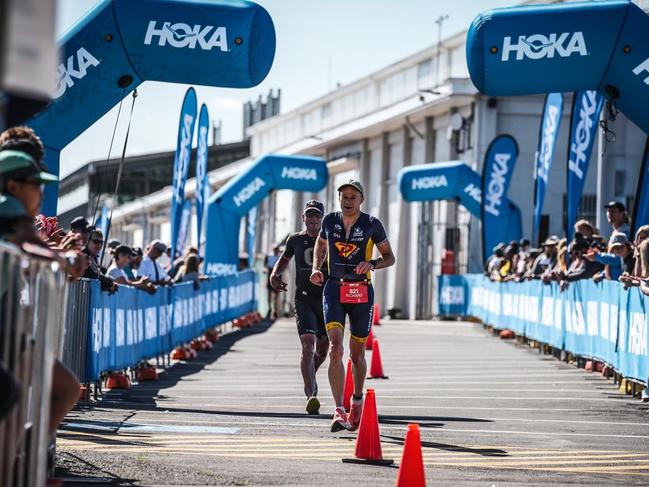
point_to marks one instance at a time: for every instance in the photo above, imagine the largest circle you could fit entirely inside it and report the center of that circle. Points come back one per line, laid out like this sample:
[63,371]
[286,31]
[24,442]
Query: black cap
[524,242]
[314,205]
[352,183]
[135,251]
[80,224]
[113,243]
[615,204]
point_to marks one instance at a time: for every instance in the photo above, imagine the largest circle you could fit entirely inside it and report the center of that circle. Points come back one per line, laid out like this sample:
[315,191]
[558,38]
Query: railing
[32,307]
[602,321]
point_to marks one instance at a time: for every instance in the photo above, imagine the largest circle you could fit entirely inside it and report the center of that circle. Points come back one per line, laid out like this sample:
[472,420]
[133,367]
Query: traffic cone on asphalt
[507,334]
[118,380]
[376,367]
[411,469]
[212,336]
[376,316]
[349,386]
[179,354]
[368,442]
[147,373]
[370,340]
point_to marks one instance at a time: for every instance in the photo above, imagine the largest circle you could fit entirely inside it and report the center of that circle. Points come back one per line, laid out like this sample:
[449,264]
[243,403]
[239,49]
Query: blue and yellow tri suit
[344,253]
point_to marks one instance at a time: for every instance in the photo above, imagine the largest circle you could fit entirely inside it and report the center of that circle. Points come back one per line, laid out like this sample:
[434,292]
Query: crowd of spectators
[587,256]
[81,252]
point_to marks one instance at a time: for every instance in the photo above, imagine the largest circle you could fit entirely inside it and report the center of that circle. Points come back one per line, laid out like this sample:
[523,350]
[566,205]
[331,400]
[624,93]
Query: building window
[325,110]
[424,69]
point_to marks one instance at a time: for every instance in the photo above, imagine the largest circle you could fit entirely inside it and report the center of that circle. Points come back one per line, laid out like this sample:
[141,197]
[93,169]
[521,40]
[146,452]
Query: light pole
[439,21]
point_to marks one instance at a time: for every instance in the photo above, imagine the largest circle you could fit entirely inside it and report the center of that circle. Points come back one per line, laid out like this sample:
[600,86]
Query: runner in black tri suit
[308,299]
[348,238]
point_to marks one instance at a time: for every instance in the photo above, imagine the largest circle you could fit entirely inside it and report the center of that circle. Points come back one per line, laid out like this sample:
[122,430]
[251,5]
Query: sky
[320,43]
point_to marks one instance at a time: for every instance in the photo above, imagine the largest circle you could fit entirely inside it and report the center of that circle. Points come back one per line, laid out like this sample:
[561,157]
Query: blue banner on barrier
[599,320]
[131,325]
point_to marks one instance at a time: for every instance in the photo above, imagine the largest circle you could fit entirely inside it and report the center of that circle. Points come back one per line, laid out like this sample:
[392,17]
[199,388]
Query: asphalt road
[491,412]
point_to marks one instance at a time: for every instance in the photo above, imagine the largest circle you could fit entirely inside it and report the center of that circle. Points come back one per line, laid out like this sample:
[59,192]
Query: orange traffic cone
[370,340]
[376,316]
[368,442]
[349,386]
[179,354]
[376,367]
[212,336]
[411,470]
[118,380]
[147,373]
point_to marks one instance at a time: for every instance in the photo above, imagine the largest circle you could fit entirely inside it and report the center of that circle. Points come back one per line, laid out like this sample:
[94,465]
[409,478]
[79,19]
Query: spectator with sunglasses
[93,250]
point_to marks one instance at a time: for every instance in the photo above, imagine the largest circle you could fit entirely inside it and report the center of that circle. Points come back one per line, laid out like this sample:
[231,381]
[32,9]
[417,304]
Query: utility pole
[439,21]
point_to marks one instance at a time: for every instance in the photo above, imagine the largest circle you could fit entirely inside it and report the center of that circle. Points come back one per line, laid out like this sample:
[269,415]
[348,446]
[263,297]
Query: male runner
[348,237]
[308,299]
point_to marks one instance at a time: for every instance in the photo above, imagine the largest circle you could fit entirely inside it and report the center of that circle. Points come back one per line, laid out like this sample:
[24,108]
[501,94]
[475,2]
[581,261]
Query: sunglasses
[311,214]
[33,182]
[97,241]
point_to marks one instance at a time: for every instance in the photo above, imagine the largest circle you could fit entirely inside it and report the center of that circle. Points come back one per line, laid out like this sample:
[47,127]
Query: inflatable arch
[241,194]
[562,48]
[456,181]
[121,43]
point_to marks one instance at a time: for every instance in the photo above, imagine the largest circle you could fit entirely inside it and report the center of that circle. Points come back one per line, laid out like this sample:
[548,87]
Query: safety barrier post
[30,337]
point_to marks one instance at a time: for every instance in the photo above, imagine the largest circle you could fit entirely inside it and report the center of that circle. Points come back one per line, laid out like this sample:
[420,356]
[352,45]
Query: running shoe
[340,421]
[313,405]
[355,412]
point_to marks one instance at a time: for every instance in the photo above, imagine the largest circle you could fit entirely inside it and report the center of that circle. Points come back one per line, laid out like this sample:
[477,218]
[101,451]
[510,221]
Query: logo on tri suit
[346,249]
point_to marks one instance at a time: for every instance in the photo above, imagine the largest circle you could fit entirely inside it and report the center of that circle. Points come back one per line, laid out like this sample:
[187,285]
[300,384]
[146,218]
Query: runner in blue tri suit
[348,238]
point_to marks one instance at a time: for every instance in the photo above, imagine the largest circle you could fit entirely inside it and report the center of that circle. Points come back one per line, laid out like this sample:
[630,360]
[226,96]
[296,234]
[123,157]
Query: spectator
[617,217]
[585,229]
[618,260]
[150,268]
[22,178]
[81,226]
[580,268]
[641,235]
[94,271]
[546,260]
[134,262]
[494,261]
[180,261]
[189,271]
[121,260]
[273,296]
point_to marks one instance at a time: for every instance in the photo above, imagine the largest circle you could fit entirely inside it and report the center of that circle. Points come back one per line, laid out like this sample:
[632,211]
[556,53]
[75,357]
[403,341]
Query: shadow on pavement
[172,375]
[92,474]
[486,452]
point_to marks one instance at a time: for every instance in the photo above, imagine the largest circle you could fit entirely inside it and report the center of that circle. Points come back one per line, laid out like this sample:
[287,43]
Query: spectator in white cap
[150,268]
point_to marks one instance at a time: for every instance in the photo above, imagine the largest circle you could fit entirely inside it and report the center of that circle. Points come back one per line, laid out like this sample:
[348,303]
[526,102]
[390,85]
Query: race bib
[353,292]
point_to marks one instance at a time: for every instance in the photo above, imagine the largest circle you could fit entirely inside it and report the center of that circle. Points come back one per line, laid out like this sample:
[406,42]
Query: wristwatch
[373,262]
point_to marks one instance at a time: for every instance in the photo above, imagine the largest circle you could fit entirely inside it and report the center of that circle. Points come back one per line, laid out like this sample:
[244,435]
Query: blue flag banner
[586,107]
[456,181]
[183,230]
[252,232]
[132,325]
[497,172]
[641,202]
[119,44]
[104,224]
[181,163]
[547,140]
[201,172]
[597,320]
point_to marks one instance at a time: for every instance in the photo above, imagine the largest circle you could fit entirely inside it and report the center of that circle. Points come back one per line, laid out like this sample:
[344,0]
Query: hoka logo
[583,132]
[299,173]
[75,68]
[538,46]
[181,35]
[474,192]
[221,269]
[496,186]
[248,191]
[643,67]
[345,249]
[428,182]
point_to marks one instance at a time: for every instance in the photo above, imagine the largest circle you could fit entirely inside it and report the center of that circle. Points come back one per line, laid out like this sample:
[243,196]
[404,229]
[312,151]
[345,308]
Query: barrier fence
[131,325]
[602,320]
[32,308]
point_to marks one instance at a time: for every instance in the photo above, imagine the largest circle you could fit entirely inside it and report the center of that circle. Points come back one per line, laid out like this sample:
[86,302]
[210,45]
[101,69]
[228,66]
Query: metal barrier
[75,341]
[32,306]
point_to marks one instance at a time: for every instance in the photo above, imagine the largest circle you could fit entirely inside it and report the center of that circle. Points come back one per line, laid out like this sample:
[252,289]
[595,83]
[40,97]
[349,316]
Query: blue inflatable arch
[121,43]
[241,194]
[562,48]
[456,181]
